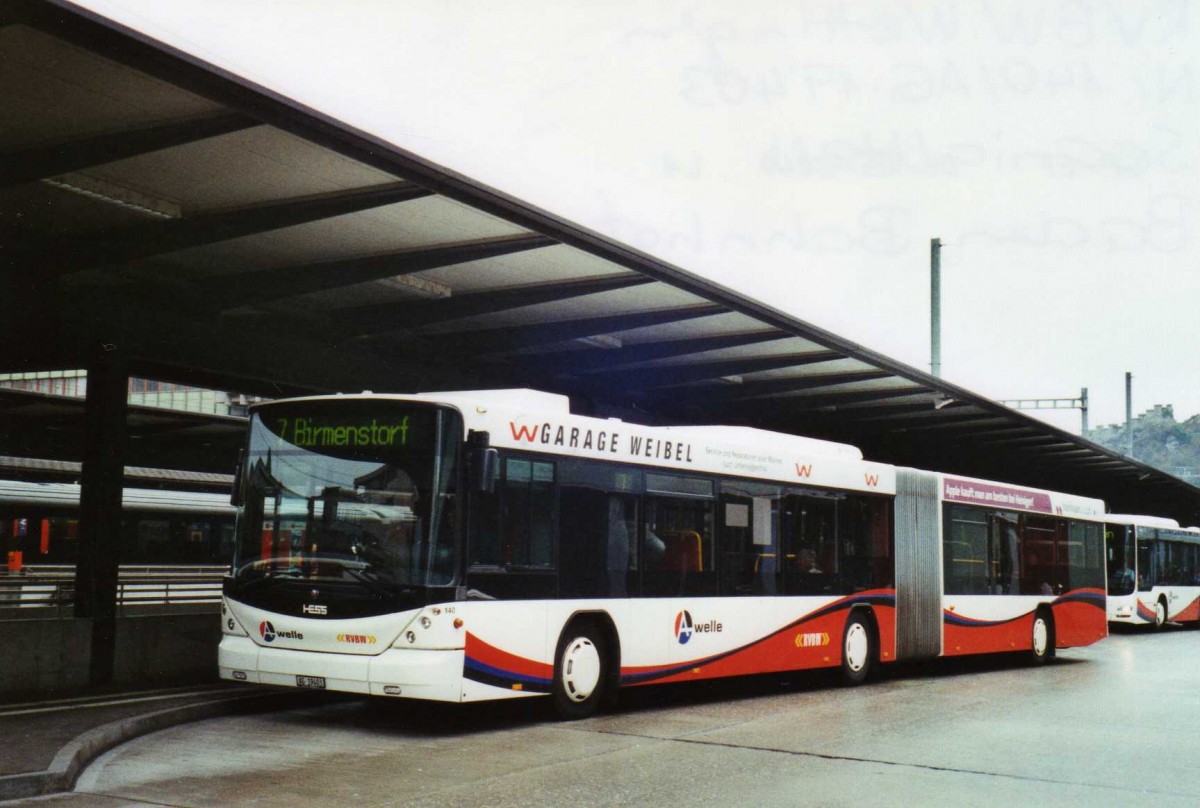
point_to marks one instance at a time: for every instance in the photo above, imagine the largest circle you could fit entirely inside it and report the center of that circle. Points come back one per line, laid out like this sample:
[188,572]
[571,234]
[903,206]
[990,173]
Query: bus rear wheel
[1042,650]
[858,650]
[580,671]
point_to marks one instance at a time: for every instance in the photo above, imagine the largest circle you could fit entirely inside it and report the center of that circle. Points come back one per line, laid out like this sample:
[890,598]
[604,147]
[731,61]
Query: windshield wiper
[264,574]
[370,580]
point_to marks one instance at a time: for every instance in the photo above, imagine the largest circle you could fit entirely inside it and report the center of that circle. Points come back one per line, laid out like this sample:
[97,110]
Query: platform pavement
[45,746]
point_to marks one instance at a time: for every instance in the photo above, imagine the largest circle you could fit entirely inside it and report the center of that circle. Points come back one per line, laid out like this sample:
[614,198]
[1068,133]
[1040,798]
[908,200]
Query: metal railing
[138,587]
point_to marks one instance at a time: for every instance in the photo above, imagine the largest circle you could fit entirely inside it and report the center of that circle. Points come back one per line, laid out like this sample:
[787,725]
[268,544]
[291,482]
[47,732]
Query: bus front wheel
[1160,614]
[1043,638]
[858,650]
[580,671]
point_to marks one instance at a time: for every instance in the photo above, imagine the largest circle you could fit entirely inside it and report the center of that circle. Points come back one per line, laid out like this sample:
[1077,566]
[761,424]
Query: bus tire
[580,671]
[1160,614]
[1042,638]
[858,649]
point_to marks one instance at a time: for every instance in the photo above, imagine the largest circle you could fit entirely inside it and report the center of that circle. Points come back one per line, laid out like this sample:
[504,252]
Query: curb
[73,758]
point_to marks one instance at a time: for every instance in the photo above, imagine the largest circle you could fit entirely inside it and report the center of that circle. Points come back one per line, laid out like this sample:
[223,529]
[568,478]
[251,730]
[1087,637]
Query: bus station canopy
[215,233]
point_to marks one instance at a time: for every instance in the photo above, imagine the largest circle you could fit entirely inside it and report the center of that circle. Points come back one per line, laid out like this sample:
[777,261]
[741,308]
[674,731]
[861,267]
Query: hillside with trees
[1160,441]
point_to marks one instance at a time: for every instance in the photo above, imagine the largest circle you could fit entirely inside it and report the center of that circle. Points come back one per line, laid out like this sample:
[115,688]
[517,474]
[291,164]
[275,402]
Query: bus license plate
[311,682]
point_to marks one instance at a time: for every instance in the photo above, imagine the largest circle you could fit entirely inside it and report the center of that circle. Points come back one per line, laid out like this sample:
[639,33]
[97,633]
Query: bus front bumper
[405,672]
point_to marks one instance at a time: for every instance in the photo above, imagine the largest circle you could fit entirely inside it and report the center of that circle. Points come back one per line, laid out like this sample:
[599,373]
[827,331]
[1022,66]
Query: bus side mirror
[483,462]
[484,465]
[235,494]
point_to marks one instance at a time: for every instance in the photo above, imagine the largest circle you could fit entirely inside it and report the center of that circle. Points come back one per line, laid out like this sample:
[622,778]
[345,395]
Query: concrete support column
[100,506]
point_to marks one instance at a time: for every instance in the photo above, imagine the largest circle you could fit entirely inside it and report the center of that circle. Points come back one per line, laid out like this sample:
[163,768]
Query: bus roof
[530,420]
[1141,520]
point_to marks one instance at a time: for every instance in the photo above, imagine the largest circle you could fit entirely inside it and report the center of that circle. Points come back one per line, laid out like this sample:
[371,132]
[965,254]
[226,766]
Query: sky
[805,154]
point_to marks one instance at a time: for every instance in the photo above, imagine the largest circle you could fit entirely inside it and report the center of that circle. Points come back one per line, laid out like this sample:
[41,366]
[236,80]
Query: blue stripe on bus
[480,672]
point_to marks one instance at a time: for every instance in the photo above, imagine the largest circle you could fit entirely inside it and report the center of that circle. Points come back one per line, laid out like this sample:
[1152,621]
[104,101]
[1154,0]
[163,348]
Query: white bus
[483,545]
[1153,571]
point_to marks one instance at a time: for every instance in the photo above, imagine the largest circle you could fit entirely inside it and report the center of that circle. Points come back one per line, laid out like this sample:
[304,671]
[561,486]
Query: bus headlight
[432,628]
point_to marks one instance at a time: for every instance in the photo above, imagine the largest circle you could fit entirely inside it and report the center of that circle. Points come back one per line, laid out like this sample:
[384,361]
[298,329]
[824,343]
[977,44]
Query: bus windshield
[354,492]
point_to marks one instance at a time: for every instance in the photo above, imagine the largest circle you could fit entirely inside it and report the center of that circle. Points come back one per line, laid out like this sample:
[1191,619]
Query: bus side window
[598,531]
[677,547]
[1042,541]
[965,550]
[528,513]
[1004,543]
[514,527]
[808,541]
[748,538]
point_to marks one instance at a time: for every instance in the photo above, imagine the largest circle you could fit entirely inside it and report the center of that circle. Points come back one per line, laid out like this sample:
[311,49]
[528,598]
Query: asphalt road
[1114,724]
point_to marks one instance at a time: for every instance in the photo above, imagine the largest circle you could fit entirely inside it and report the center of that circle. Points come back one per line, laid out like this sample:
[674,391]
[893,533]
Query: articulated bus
[1153,571]
[485,545]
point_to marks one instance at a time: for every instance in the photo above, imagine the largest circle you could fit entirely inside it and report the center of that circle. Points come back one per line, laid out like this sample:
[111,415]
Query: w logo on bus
[525,433]
[683,627]
[267,630]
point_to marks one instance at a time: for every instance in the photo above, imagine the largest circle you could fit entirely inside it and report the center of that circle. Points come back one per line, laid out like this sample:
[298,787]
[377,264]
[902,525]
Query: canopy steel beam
[586,361]
[251,288]
[1029,440]
[87,251]
[410,315]
[951,423]
[986,435]
[38,163]
[880,412]
[230,378]
[674,375]
[796,384]
[1060,452]
[511,337]
[1100,459]
[914,414]
[163,337]
[826,404]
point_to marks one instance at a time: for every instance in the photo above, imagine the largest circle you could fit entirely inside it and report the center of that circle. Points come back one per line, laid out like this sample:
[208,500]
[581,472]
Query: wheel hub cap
[1040,636]
[856,647]
[580,669]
